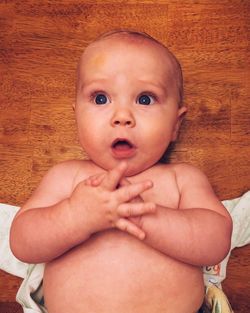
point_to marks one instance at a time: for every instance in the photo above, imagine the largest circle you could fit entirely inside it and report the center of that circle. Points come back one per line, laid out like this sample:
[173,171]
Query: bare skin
[116,272]
[113,269]
[122,233]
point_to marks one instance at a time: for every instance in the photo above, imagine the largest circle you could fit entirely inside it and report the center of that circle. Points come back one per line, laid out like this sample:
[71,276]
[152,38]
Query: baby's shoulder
[179,169]
[75,170]
[68,171]
[185,169]
[71,165]
[57,184]
[183,173]
[68,168]
[187,174]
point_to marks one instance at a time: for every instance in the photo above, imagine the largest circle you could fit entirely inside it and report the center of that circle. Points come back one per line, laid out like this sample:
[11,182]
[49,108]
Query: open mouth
[122,148]
[122,144]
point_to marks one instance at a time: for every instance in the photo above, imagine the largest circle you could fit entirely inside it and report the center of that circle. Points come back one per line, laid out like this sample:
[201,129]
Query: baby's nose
[123,117]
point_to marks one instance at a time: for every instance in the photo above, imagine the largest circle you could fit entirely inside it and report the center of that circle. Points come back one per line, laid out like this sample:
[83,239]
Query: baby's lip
[122,141]
[123,148]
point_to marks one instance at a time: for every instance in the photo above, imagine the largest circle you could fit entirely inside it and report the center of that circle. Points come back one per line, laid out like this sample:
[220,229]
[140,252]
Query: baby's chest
[165,190]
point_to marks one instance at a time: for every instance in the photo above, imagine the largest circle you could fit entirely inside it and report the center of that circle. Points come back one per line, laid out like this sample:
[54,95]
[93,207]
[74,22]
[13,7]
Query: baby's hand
[135,219]
[95,180]
[105,206]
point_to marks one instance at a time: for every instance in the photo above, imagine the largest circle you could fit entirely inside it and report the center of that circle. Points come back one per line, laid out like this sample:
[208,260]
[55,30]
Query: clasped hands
[109,200]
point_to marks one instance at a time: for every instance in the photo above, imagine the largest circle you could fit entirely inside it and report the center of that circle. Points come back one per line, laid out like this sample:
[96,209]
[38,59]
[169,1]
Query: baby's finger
[124,182]
[135,209]
[97,179]
[88,182]
[113,177]
[131,191]
[129,227]
[94,180]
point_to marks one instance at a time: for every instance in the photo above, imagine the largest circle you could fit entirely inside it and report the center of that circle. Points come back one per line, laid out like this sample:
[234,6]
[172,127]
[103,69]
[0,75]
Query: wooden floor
[40,43]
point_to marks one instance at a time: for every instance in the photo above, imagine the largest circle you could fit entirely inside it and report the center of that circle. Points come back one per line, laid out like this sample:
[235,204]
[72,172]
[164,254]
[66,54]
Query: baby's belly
[114,272]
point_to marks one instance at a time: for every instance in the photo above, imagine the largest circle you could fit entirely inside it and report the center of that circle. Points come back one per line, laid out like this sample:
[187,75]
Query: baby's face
[127,103]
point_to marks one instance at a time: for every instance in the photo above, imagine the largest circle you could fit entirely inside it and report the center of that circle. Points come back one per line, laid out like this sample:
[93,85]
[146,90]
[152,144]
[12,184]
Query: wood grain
[40,43]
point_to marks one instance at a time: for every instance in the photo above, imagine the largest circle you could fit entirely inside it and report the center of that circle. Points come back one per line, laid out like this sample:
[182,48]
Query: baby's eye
[145,99]
[101,99]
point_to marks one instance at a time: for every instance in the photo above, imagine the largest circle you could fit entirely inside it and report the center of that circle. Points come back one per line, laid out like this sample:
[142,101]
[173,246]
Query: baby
[123,232]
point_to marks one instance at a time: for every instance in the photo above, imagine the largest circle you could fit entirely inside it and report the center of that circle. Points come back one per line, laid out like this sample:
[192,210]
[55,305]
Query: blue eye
[100,99]
[145,99]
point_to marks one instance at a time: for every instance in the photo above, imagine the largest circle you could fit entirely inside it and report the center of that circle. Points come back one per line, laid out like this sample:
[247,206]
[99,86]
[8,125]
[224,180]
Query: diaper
[30,293]
[215,301]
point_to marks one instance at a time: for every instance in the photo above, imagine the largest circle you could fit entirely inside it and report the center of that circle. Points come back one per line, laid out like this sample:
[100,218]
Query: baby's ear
[181,114]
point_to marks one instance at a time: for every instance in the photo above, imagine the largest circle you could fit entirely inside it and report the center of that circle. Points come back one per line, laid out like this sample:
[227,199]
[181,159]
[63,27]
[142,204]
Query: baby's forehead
[103,47]
[96,53]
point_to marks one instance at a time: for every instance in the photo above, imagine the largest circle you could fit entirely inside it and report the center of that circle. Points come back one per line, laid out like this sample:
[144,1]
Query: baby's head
[129,100]
[142,40]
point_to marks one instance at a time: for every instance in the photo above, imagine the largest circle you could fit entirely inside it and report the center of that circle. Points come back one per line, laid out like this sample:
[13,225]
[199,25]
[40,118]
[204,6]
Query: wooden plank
[40,44]
[9,285]
[237,270]
[16,165]
[211,25]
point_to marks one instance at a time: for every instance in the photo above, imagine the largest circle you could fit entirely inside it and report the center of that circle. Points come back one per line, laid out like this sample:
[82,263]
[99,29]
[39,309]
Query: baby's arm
[56,219]
[199,231]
